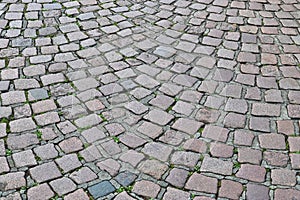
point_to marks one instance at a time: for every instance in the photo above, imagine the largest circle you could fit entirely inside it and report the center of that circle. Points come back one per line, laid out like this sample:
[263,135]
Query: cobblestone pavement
[162,99]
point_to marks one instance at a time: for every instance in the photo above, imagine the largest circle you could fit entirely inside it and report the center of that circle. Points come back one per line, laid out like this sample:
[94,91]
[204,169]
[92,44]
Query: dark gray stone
[37,94]
[101,189]
[125,178]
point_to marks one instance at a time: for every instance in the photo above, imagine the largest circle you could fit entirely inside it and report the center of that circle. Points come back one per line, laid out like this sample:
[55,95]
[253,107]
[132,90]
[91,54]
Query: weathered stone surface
[146,188]
[283,177]
[230,189]
[101,189]
[39,175]
[177,99]
[177,177]
[202,183]
[216,166]
[154,149]
[188,159]
[154,168]
[281,194]
[254,173]
[255,191]
[42,191]
[11,181]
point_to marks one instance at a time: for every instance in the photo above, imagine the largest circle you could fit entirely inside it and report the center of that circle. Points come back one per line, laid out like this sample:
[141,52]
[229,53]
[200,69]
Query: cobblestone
[12,181]
[24,158]
[254,173]
[255,191]
[202,183]
[146,188]
[129,93]
[216,166]
[42,191]
[38,174]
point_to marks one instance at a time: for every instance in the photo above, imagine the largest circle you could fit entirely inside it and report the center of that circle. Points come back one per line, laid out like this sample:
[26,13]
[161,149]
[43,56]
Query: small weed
[169,109]
[24,188]
[180,148]
[193,196]
[4,120]
[8,152]
[86,145]
[102,117]
[116,139]
[200,130]
[201,157]
[80,157]
[197,169]
[38,134]
[235,150]
[38,158]
[34,184]
[237,165]
[122,189]
[55,197]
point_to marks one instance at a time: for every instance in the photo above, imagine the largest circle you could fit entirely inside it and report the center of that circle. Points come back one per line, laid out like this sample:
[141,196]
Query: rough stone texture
[125,178]
[63,186]
[24,158]
[177,177]
[42,191]
[146,189]
[283,177]
[187,125]
[272,141]
[11,181]
[281,194]
[68,162]
[109,165]
[154,168]
[154,149]
[78,195]
[230,189]
[216,166]
[276,158]
[100,93]
[202,183]
[101,189]
[38,172]
[254,173]
[255,191]
[83,175]
[175,194]
[215,133]
[184,158]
